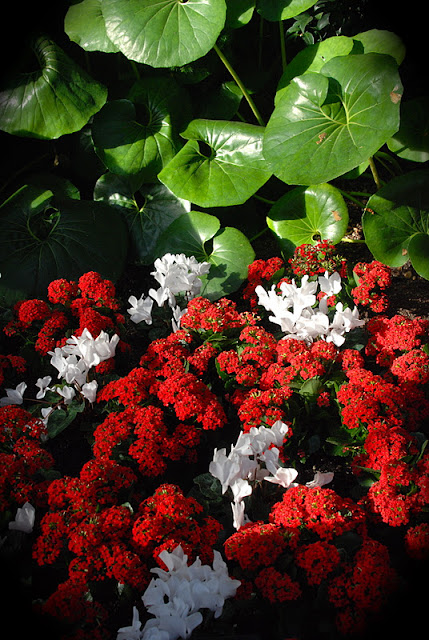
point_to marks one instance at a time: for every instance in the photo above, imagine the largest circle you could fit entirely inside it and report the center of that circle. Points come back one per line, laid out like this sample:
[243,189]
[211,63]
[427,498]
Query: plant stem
[241,85]
[351,198]
[282,45]
[353,241]
[262,199]
[257,235]
[374,172]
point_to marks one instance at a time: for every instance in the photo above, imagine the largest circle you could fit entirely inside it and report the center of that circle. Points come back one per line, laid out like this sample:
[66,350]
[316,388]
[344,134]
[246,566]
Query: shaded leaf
[58,99]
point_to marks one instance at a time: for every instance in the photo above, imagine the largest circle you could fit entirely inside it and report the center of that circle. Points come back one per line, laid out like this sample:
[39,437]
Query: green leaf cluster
[201,108]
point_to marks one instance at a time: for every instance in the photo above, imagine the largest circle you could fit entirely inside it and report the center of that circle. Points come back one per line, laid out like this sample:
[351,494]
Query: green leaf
[396,221]
[220,165]
[60,419]
[275,10]
[58,99]
[313,58]
[136,137]
[328,123]
[226,249]
[84,24]
[44,238]
[306,215]
[147,212]
[165,33]
[239,13]
[411,141]
[382,41]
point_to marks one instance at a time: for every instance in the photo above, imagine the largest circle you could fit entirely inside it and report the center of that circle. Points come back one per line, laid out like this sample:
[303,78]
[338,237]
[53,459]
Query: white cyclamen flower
[24,519]
[14,396]
[89,390]
[43,384]
[330,285]
[91,350]
[141,309]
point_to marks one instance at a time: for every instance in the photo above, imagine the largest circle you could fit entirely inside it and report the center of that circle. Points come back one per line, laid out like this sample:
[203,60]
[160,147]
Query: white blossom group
[294,309]
[177,595]
[176,274]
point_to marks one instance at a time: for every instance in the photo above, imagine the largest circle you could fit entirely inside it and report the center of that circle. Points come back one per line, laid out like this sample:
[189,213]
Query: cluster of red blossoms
[90,303]
[308,527]
[374,279]
[109,524]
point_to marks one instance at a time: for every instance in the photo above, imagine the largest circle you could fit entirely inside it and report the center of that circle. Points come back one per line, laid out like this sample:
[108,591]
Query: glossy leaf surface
[220,165]
[84,24]
[58,99]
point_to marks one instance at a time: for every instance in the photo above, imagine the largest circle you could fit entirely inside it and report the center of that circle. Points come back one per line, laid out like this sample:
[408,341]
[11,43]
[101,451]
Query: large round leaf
[84,24]
[313,58]
[382,41]
[227,250]
[275,10]
[58,99]
[138,136]
[166,33]
[328,123]
[238,13]
[396,221]
[411,141]
[43,239]
[147,212]
[306,215]
[220,165]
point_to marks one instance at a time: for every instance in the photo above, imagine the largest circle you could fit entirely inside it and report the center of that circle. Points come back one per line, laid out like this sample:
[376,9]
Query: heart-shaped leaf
[275,10]
[411,141]
[328,123]
[227,250]
[58,99]
[220,165]
[136,137]
[43,239]
[166,33]
[306,215]
[396,221]
[84,24]
[147,212]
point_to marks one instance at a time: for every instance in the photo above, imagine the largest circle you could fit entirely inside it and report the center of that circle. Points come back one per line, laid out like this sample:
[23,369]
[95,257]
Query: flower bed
[246,467]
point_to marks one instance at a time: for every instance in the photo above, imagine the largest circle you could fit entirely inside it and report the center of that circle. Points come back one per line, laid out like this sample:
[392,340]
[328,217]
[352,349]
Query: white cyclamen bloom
[284,477]
[89,390]
[14,396]
[176,596]
[321,479]
[141,309]
[66,392]
[71,368]
[24,519]
[330,285]
[91,350]
[43,384]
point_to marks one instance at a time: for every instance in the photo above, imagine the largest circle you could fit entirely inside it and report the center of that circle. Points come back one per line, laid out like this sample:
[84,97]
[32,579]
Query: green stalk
[345,194]
[240,85]
[374,173]
[282,45]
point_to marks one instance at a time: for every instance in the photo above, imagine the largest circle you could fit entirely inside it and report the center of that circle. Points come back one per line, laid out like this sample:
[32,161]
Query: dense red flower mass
[360,409]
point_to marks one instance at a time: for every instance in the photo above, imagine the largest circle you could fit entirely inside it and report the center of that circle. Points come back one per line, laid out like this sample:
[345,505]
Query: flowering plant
[265,456]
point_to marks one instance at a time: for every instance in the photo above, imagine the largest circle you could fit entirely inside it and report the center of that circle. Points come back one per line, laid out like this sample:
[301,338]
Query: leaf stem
[374,172]
[241,85]
[257,235]
[282,45]
[351,198]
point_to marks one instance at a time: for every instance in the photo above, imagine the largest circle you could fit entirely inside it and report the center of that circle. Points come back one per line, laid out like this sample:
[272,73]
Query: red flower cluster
[316,259]
[257,272]
[89,303]
[23,459]
[374,279]
[167,519]
[11,364]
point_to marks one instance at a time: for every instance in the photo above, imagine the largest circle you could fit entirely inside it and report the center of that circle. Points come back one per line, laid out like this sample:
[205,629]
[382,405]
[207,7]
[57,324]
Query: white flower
[141,309]
[320,479]
[134,631]
[300,297]
[178,313]
[14,396]
[89,390]
[43,384]
[330,284]
[66,392]
[24,519]
[283,477]
[91,350]
[225,468]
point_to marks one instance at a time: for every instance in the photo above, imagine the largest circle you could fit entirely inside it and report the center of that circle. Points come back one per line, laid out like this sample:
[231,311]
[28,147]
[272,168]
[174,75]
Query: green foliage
[200,103]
